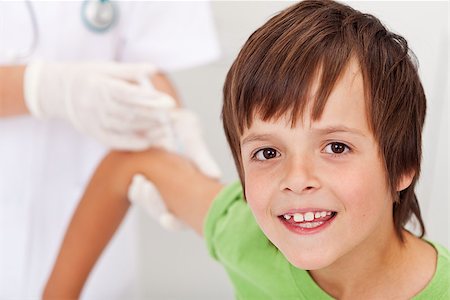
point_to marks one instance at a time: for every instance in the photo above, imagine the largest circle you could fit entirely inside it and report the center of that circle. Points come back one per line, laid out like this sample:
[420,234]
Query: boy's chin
[309,262]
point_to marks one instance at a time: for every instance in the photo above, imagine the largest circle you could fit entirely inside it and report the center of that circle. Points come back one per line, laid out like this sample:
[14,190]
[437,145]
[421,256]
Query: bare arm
[187,192]
[12,101]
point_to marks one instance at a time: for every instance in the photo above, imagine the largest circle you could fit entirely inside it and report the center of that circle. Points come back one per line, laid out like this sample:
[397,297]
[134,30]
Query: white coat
[45,165]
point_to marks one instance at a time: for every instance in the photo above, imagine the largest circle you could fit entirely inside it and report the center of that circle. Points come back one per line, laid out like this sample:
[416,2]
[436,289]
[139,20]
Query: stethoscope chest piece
[98,15]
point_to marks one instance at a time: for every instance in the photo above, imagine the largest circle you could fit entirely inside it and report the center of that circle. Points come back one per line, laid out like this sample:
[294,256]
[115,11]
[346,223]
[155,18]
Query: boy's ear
[405,180]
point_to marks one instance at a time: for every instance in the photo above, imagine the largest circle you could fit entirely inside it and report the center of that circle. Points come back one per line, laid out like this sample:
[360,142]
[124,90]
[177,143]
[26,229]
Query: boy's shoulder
[439,286]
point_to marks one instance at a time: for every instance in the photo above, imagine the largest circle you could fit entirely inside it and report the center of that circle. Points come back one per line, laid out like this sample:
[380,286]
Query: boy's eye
[266,153]
[336,148]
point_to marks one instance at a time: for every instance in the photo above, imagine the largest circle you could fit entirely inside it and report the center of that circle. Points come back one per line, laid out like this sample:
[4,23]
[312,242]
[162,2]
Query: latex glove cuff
[31,88]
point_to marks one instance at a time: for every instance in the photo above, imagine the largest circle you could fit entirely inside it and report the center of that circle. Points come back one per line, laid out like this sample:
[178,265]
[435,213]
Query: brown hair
[274,71]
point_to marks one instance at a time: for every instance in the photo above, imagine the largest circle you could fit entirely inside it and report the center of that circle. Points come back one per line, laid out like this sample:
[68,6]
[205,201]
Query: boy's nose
[299,176]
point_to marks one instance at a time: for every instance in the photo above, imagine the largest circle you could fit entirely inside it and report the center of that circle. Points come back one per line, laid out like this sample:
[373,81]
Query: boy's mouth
[307,221]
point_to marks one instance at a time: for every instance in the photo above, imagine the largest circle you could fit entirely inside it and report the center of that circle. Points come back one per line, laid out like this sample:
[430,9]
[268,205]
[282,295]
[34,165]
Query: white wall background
[176,265]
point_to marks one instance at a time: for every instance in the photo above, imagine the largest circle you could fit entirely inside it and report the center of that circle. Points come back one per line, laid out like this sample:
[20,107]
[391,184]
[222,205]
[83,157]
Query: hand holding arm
[102,99]
[187,136]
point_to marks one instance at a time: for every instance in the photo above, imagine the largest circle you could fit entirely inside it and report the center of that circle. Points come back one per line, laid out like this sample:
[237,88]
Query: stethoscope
[97,15]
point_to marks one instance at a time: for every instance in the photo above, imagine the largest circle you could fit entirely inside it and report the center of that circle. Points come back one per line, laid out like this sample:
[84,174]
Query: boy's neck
[384,270]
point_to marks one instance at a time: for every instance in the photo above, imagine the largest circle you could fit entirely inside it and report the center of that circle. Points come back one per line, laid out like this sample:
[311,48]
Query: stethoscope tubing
[35,34]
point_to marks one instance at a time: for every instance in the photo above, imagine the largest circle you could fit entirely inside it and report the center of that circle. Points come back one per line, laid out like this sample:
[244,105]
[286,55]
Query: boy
[323,110]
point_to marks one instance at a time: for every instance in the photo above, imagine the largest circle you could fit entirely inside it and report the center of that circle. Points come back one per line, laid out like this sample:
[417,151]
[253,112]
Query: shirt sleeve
[218,214]
[170,35]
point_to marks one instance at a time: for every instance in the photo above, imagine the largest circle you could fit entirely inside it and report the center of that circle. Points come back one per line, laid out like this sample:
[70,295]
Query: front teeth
[308,216]
[298,217]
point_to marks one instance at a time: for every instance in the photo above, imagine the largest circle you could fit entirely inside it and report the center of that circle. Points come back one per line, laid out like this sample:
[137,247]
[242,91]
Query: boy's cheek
[362,197]
[258,192]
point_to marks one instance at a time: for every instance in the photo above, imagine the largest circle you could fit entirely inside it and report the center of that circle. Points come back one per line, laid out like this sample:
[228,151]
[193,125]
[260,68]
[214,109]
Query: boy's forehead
[344,107]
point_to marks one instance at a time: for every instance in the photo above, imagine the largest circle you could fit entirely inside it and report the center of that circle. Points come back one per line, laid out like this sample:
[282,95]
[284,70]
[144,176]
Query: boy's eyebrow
[340,128]
[321,131]
[255,137]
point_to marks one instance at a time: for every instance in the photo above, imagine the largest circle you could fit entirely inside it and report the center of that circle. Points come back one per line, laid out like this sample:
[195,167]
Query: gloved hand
[143,193]
[188,142]
[103,100]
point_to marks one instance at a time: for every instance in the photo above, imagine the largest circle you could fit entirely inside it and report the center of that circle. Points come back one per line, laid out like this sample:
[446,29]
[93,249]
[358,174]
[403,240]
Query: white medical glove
[143,193]
[189,143]
[102,99]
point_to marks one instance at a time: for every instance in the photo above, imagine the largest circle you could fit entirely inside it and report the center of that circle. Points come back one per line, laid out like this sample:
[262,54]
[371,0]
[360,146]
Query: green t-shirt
[259,271]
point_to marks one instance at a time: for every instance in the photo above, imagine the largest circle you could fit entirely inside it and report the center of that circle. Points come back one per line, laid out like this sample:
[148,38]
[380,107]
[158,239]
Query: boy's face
[319,190]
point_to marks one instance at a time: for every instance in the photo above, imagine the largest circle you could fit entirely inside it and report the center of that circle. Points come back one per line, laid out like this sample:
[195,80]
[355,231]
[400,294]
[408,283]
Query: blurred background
[177,265]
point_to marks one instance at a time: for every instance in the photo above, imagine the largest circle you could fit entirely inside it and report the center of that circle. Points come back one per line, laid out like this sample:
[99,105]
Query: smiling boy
[323,111]
[319,192]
